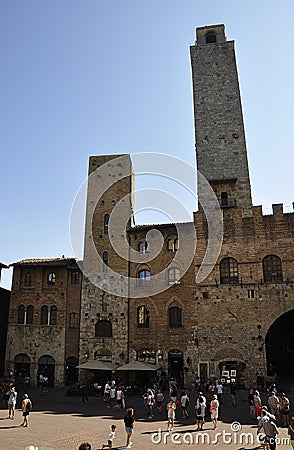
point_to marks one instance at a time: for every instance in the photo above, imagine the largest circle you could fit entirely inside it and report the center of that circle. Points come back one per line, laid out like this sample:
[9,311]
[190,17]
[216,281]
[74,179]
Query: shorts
[129,430]
[25,413]
[109,442]
[252,408]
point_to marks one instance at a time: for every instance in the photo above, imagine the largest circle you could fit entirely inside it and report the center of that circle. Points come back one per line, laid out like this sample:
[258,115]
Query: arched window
[173,245]
[73,320]
[175,317]
[53,315]
[174,275]
[21,315]
[229,271]
[272,269]
[28,279]
[44,315]
[103,328]
[210,37]
[106,223]
[144,247]
[30,315]
[103,355]
[147,356]
[51,278]
[105,258]
[143,278]
[142,317]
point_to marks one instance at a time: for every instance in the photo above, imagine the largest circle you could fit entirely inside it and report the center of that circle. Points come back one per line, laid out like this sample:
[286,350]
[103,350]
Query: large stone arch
[279,347]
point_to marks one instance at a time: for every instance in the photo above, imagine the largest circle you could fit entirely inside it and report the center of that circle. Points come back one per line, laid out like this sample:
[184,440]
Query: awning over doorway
[137,366]
[97,365]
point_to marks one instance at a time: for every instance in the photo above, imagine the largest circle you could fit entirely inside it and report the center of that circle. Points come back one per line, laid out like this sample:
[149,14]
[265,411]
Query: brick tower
[104,304]
[219,130]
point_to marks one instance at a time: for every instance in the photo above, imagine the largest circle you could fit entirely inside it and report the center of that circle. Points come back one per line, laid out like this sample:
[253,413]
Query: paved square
[61,423]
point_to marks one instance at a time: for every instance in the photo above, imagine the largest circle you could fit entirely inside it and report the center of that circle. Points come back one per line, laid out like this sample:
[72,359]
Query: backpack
[29,406]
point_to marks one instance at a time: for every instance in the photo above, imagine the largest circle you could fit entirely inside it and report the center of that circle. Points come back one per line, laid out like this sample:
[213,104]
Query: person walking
[150,403]
[251,404]
[233,392]
[84,392]
[271,432]
[171,414]
[111,436]
[159,400]
[129,425]
[12,403]
[291,431]
[257,404]
[214,407]
[184,401]
[200,407]
[26,406]
[274,404]
[285,409]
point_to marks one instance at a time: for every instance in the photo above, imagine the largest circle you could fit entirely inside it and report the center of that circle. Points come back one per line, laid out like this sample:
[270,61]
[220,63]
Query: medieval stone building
[233,321]
[4,308]
[44,316]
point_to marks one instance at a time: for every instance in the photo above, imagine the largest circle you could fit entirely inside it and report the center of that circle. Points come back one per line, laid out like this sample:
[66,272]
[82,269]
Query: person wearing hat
[12,403]
[214,406]
[26,405]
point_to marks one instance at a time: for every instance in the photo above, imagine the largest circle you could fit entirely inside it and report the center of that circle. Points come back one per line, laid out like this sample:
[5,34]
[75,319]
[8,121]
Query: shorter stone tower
[104,303]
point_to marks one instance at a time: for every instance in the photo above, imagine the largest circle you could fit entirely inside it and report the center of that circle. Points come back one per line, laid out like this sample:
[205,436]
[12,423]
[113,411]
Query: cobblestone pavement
[58,422]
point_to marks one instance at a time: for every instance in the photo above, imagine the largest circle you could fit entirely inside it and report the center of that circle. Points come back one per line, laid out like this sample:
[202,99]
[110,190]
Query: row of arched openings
[51,278]
[271,265]
[175,317]
[25,315]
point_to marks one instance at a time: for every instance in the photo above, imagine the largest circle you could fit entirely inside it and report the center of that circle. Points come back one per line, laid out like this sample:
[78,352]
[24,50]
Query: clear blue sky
[80,78]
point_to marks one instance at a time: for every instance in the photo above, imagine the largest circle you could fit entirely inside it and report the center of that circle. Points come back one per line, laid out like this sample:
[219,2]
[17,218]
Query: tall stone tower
[220,137]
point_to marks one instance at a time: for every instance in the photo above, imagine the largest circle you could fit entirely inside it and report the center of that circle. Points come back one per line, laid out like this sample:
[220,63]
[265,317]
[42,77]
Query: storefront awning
[97,365]
[138,365]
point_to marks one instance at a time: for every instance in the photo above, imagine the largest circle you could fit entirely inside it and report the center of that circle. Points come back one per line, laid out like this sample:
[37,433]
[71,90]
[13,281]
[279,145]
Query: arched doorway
[22,365]
[71,371]
[103,355]
[46,367]
[279,343]
[232,372]
[176,366]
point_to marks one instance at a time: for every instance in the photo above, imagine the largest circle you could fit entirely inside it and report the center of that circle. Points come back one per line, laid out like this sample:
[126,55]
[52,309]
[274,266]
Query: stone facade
[219,130]
[105,304]
[226,322]
[44,314]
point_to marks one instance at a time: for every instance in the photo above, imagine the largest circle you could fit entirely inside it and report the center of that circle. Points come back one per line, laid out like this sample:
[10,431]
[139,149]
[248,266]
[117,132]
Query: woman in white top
[12,403]
[171,414]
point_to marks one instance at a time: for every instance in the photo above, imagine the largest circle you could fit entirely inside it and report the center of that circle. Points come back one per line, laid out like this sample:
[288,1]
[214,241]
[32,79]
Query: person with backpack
[184,400]
[26,407]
